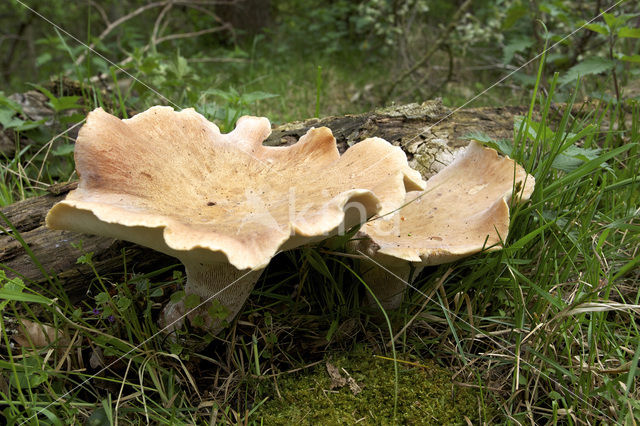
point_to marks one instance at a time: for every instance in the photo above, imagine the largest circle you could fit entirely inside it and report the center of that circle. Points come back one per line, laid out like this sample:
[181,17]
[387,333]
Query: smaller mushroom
[463,210]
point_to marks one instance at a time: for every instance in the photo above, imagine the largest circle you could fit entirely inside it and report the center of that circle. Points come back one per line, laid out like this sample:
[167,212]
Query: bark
[428,133]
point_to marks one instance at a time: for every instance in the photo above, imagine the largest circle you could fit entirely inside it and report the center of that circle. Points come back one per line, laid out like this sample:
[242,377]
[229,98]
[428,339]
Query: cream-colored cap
[464,208]
[171,181]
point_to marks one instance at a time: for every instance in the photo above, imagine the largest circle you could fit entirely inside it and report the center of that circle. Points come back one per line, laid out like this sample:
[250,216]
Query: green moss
[425,396]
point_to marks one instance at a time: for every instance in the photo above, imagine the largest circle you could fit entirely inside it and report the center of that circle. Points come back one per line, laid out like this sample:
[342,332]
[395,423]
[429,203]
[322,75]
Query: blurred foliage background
[292,59]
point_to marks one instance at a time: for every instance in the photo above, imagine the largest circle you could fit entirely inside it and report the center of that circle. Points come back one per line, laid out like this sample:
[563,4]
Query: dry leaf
[33,334]
[353,385]
[97,359]
[337,381]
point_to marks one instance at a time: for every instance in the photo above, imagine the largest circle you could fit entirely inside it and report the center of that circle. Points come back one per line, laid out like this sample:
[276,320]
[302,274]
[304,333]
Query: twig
[155,40]
[156,25]
[101,11]
[189,34]
[113,25]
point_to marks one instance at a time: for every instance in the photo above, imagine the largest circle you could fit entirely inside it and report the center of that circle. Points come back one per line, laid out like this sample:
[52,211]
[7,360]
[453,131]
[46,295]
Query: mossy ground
[426,395]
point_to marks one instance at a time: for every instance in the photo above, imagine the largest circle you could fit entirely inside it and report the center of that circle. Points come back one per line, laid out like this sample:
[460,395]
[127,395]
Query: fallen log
[429,134]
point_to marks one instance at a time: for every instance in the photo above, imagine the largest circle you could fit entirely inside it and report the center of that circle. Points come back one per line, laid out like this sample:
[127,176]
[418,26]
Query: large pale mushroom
[223,204]
[463,210]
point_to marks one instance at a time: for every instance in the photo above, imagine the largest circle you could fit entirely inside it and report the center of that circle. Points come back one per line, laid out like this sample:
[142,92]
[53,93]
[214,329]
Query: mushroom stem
[387,277]
[388,283]
[221,287]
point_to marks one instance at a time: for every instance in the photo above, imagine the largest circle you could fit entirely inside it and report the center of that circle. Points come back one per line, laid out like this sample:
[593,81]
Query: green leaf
[72,119]
[149,64]
[592,65]
[19,296]
[629,32]
[514,13]
[191,301]
[532,128]
[600,29]
[586,168]
[574,157]
[571,157]
[102,298]
[332,329]
[53,418]
[626,268]
[502,145]
[12,289]
[630,58]
[554,395]
[197,321]
[518,44]
[175,348]
[64,102]
[181,67]
[177,296]
[123,303]
[339,242]
[43,59]
[317,262]
[142,283]
[28,125]
[64,149]
[85,259]
[229,96]
[217,310]
[8,119]
[252,97]
[59,103]
[46,92]
[98,418]
[610,19]
[29,375]
[11,104]
[586,154]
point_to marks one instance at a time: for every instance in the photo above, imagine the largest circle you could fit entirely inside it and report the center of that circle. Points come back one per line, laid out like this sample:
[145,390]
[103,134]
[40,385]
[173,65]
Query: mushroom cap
[171,181]
[463,210]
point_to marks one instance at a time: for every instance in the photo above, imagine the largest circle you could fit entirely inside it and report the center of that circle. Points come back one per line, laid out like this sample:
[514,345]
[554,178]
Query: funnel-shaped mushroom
[223,204]
[463,210]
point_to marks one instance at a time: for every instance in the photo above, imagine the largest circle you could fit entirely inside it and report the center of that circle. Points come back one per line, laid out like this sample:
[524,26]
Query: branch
[156,25]
[101,11]
[112,26]
[191,34]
